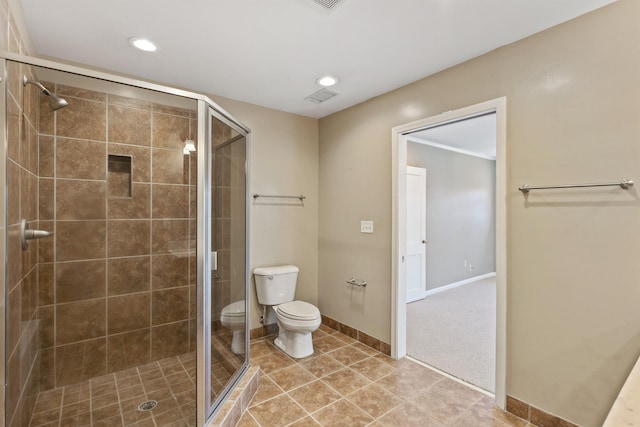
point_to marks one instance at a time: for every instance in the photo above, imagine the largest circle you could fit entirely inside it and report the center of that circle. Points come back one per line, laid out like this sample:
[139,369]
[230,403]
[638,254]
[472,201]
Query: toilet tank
[276,285]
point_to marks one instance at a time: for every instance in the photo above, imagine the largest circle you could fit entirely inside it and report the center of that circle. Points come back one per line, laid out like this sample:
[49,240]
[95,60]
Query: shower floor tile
[114,399]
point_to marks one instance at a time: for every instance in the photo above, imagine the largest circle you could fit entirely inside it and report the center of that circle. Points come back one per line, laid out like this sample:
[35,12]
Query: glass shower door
[229,278]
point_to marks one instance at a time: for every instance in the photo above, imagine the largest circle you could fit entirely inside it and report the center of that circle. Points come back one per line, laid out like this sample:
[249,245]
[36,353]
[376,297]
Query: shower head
[55,102]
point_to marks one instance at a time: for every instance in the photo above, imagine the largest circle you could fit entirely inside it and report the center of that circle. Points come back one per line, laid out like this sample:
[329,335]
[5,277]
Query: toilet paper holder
[354,282]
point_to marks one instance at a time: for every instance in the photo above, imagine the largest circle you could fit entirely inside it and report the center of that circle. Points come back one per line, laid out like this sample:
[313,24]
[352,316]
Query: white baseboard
[460,283]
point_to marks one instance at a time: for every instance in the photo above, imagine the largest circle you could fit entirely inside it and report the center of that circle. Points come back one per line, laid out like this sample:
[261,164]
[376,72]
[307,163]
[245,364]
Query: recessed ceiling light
[143,44]
[327,81]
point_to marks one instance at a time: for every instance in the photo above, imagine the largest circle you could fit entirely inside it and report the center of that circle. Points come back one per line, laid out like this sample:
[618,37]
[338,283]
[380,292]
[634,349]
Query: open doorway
[402,136]
[450,253]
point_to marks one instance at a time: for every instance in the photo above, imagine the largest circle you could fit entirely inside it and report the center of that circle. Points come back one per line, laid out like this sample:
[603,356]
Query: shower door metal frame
[205,106]
[205,173]
[3,238]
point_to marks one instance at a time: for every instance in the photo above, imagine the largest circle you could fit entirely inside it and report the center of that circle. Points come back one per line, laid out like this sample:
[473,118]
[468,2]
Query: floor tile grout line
[61,406]
[269,399]
[377,419]
[172,392]
[342,396]
[114,380]
[252,417]
[348,401]
[301,407]
[90,402]
[383,364]
[327,405]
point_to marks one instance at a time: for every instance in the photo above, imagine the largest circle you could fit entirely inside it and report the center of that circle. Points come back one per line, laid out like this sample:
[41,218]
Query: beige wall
[284,160]
[573,98]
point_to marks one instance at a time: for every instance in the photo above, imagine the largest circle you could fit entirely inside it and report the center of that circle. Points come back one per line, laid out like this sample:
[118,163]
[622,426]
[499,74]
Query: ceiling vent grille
[321,96]
[328,4]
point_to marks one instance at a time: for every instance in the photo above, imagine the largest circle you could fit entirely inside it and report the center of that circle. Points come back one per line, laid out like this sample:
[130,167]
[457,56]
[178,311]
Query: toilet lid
[298,310]
[235,309]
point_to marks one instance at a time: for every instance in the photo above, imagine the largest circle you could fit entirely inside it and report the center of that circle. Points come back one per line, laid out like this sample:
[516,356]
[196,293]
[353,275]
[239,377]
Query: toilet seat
[298,310]
[235,309]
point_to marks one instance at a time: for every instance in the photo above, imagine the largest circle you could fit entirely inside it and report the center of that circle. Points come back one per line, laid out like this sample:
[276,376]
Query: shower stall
[124,215]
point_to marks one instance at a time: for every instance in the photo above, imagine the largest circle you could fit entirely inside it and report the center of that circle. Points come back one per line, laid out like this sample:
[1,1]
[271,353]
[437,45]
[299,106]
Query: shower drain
[148,405]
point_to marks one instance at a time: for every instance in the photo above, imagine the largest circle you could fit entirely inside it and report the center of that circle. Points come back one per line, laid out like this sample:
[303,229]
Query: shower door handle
[27,234]
[214,260]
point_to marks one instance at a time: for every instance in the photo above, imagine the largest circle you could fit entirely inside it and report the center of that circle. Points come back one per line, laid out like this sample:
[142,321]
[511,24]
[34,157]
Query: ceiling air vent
[321,96]
[328,4]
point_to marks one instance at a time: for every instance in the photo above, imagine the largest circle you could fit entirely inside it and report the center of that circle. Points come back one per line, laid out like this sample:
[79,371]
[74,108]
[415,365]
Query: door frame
[398,267]
[422,172]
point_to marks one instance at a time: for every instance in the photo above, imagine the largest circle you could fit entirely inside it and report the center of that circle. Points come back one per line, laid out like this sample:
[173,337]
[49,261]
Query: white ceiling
[270,52]
[475,136]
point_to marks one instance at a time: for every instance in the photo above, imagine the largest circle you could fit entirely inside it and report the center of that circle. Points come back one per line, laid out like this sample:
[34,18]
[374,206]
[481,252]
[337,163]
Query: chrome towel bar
[625,184]
[300,197]
[354,282]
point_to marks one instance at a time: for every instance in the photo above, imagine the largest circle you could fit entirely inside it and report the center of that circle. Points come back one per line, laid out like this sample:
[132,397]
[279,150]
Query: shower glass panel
[102,318]
[228,228]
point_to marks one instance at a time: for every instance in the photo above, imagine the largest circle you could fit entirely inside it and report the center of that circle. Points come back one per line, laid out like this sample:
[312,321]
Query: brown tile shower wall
[118,280]
[22,368]
[22,364]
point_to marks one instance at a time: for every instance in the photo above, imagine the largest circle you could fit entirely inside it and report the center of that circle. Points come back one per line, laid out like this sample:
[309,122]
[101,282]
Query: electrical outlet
[366,227]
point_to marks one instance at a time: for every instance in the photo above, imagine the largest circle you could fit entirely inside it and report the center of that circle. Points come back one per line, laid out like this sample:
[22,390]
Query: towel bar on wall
[625,184]
[300,197]
[354,282]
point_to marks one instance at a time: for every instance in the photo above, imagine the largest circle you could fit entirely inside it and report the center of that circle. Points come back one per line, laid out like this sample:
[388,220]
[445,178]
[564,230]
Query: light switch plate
[366,227]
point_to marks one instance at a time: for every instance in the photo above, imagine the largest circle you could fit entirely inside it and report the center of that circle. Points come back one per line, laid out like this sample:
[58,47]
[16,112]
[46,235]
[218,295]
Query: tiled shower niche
[119,177]
[117,281]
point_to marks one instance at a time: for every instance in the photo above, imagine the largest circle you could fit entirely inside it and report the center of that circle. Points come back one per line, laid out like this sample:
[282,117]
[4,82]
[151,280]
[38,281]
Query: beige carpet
[455,331]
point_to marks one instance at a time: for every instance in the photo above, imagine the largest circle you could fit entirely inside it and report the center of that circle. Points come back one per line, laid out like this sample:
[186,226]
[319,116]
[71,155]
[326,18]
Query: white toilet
[233,317]
[276,286]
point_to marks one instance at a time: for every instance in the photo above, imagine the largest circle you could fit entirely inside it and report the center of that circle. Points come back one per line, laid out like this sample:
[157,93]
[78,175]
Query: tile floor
[345,383]
[113,399]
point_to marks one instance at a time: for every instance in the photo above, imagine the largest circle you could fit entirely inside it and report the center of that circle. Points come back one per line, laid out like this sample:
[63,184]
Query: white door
[416,233]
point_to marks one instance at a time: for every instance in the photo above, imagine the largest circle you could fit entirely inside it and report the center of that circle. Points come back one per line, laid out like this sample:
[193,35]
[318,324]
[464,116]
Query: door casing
[398,267]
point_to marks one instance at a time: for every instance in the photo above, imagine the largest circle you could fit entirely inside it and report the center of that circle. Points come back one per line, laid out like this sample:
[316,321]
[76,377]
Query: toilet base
[295,344]
[238,341]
